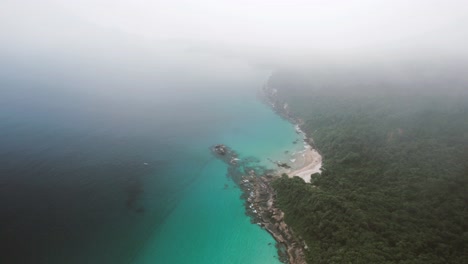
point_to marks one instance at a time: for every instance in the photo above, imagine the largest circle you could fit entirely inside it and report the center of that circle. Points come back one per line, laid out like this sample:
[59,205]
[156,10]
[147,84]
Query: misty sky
[255,29]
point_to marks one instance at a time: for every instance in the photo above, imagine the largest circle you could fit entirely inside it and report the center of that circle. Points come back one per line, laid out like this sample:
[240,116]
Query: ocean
[99,171]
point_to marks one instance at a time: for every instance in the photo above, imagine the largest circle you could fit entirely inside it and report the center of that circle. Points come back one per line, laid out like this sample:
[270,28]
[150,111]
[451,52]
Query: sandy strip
[307,162]
[303,163]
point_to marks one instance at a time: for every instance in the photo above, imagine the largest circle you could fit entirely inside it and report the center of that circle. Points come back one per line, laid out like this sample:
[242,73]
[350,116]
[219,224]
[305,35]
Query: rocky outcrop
[259,196]
[261,202]
[220,149]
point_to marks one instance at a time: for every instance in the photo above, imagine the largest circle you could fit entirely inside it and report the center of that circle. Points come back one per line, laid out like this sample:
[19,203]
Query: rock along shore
[258,193]
[260,202]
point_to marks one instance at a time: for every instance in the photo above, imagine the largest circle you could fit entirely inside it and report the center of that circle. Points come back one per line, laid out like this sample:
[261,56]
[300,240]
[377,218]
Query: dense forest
[394,186]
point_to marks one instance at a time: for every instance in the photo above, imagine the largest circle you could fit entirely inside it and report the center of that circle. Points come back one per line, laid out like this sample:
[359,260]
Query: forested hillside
[394,187]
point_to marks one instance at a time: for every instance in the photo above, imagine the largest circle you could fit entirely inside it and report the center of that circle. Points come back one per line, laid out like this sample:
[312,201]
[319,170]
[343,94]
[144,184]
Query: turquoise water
[209,224]
[110,168]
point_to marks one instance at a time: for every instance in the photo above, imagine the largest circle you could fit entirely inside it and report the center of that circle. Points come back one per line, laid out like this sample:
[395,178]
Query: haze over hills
[109,111]
[394,180]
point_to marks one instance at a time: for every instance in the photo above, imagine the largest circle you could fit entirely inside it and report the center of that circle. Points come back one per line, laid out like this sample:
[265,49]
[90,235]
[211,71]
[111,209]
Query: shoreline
[306,162]
[259,201]
[260,205]
[258,193]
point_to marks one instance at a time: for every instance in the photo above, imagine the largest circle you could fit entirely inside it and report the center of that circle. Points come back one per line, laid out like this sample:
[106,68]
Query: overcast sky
[254,28]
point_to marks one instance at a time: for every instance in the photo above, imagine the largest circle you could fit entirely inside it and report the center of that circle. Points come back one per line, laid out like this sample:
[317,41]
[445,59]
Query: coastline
[259,200]
[306,162]
[258,193]
[303,163]
[261,203]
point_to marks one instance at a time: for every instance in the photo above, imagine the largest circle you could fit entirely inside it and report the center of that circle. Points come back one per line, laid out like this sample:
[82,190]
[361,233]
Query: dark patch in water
[134,191]
[135,185]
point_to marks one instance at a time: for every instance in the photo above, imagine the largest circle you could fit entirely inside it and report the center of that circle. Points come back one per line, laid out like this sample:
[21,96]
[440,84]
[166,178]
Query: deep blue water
[119,171]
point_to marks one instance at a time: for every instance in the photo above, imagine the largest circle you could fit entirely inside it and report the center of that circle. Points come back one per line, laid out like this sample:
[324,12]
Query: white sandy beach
[304,163]
[307,162]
